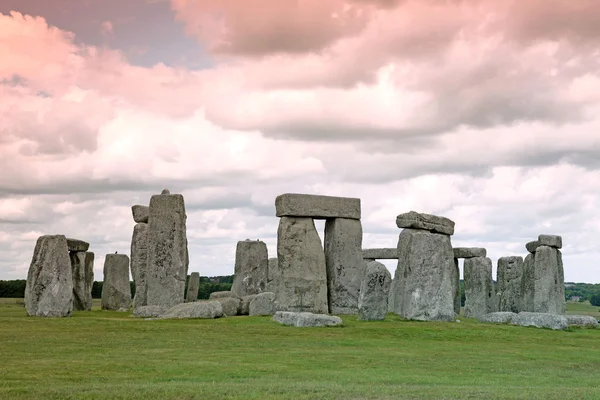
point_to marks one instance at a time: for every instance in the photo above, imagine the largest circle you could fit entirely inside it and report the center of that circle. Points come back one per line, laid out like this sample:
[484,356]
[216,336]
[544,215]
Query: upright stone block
[316,206]
[385,253]
[345,265]
[456,286]
[49,286]
[139,263]
[509,275]
[302,271]
[528,283]
[167,251]
[479,287]
[549,286]
[116,291]
[374,292]
[272,275]
[82,269]
[424,289]
[251,268]
[193,287]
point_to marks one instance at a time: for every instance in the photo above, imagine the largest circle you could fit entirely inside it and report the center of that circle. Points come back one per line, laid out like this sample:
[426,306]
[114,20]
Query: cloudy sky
[483,111]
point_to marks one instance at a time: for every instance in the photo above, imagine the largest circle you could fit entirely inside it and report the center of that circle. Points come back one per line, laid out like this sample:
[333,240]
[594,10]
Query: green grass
[109,355]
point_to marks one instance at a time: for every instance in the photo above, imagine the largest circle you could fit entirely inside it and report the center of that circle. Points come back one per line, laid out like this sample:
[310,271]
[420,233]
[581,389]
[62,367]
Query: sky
[486,112]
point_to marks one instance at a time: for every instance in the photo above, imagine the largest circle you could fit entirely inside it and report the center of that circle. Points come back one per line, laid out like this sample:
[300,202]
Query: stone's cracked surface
[116,291]
[77,245]
[251,268]
[139,263]
[302,271]
[386,253]
[49,286]
[82,269]
[306,319]
[374,292]
[428,222]
[197,309]
[479,287]
[509,283]
[167,251]
[193,287]
[344,263]
[316,206]
[550,241]
[263,304]
[469,252]
[140,213]
[541,320]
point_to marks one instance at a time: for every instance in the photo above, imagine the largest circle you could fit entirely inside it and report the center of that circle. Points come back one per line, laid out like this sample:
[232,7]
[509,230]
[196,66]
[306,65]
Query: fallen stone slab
[149,311]
[551,241]
[197,309]
[502,317]
[427,222]
[469,252]
[263,304]
[583,321]
[229,305]
[532,246]
[244,308]
[541,320]
[77,245]
[223,295]
[304,319]
[140,213]
[386,253]
[316,206]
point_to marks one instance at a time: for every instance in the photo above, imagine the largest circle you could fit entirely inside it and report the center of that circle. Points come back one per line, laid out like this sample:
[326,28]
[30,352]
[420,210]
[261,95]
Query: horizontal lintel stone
[427,222]
[381,254]
[316,206]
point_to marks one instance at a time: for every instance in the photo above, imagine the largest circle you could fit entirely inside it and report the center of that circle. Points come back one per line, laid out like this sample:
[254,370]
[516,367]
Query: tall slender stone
[549,292]
[139,263]
[456,286]
[528,283]
[345,264]
[251,268]
[193,287]
[116,290]
[49,286]
[509,275]
[167,250]
[82,268]
[302,271]
[374,291]
[479,287]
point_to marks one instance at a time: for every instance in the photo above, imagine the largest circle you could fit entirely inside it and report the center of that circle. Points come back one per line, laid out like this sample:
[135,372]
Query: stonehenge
[479,287]
[116,291]
[509,276]
[251,268]
[374,290]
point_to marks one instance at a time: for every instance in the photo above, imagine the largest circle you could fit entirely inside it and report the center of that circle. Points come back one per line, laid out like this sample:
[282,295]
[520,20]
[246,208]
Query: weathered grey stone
[193,287]
[77,245]
[344,263]
[116,291]
[302,272]
[550,241]
[428,222]
[532,246]
[223,295]
[167,251]
[304,319]
[263,304]
[244,308]
[229,305]
[251,268]
[139,263]
[140,213]
[455,278]
[374,292]
[149,311]
[541,320]
[273,275]
[390,253]
[49,286]
[469,252]
[479,287]
[549,285]
[82,269]
[316,206]
[528,283]
[197,309]
[426,271]
[508,279]
[583,321]
[502,317]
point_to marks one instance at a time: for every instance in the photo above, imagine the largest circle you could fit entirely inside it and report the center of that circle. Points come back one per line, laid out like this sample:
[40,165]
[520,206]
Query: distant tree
[595,300]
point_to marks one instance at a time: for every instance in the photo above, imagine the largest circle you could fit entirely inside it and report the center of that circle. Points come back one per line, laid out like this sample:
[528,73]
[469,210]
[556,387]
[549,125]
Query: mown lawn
[111,355]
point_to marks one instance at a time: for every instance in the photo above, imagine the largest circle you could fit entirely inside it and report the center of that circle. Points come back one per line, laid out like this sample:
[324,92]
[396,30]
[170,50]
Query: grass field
[109,355]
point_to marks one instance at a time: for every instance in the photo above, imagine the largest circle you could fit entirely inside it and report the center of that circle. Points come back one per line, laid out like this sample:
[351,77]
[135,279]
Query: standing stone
[374,291]
[49,287]
[251,268]
[508,278]
[385,253]
[456,286]
[344,262]
[272,275]
[167,251]
[302,272]
[528,283]
[424,289]
[139,263]
[479,287]
[82,269]
[392,293]
[116,291]
[549,286]
[193,287]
